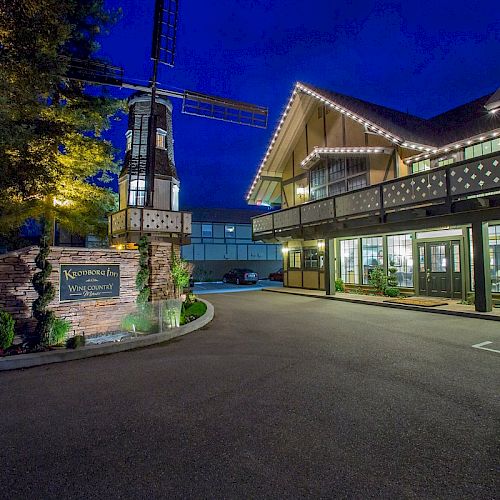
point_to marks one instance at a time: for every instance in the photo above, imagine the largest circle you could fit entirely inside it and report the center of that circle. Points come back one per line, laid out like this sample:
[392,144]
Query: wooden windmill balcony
[129,224]
[456,193]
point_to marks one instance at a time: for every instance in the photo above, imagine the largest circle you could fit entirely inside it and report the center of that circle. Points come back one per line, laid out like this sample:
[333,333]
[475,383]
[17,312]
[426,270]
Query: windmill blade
[165,31]
[219,108]
[88,70]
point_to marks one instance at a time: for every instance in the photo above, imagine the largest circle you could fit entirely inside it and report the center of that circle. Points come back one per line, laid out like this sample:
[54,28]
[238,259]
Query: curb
[463,314]
[44,358]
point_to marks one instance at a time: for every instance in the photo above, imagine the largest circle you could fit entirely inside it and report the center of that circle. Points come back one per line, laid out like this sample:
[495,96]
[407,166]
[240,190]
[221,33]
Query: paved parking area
[220,287]
[279,397]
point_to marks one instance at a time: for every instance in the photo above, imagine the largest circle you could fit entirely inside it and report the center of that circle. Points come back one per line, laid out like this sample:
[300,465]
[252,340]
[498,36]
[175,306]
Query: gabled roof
[422,135]
[403,125]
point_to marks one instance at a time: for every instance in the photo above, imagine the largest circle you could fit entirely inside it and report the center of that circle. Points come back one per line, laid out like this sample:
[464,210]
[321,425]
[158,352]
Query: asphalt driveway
[279,397]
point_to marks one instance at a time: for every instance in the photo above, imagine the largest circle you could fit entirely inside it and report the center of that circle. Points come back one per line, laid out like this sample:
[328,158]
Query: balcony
[151,221]
[437,192]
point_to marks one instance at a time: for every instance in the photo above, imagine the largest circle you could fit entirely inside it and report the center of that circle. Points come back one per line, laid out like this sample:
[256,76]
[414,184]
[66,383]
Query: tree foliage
[50,126]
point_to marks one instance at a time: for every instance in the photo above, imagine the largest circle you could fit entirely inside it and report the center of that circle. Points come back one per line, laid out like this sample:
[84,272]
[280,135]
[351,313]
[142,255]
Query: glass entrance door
[439,271]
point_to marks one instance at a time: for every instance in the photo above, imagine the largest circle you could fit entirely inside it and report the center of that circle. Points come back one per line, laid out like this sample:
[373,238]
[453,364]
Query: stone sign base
[88,316]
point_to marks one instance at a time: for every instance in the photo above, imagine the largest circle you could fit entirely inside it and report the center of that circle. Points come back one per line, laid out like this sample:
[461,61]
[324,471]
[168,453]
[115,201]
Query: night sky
[422,57]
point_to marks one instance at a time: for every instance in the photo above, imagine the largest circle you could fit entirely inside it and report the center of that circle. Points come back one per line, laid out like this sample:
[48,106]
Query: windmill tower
[148,184]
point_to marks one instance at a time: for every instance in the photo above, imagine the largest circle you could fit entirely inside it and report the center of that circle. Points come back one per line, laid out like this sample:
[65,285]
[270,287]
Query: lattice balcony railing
[148,220]
[447,184]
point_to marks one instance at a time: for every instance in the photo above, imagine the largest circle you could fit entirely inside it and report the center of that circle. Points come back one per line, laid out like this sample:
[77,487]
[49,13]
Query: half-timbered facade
[360,185]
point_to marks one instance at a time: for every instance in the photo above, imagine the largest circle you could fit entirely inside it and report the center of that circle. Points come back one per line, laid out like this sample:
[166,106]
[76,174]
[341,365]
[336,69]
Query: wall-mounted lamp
[321,245]
[301,191]
[284,250]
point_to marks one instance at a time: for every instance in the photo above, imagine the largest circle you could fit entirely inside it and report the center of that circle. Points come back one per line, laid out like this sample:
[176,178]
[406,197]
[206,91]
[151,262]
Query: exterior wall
[214,256]
[87,317]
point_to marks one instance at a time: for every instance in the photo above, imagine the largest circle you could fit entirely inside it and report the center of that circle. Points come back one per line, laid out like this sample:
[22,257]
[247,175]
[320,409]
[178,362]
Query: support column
[330,266]
[482,271]
[160,281]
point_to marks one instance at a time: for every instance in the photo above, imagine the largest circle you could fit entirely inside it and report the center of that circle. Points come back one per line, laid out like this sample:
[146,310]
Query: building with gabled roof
[362,186]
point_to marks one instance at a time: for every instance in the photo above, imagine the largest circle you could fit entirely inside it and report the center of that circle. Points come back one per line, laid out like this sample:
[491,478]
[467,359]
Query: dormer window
[161,138]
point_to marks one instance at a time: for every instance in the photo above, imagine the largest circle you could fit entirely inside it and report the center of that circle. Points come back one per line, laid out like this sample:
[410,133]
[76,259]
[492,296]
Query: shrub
[75,342]
[392,291]
[378,279]
[6,330]
[194,311]
[59,331]
[392,279]
[180,271]
[339,285]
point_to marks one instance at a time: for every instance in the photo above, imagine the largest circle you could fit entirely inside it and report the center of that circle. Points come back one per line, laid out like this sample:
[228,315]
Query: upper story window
[483,148]
[128,136]
[338,175]
[420,166]
[161,138]
[229,231]
[137,193]
[206,230]
[442,162]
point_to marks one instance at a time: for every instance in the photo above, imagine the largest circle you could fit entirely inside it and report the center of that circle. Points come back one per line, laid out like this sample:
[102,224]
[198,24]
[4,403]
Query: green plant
[392,279]
[180,270]
[470,300]
[194,311]
[142,278]
[59,332]
[76,341]
[392,291]
[6,329]
[339,285]
[378,279]
[46,292]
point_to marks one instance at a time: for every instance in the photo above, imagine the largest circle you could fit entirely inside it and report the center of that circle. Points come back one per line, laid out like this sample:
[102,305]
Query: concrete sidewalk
[452,308]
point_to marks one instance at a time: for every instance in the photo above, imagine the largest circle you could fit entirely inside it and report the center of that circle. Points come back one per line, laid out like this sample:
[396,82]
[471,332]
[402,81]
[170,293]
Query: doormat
[418,301]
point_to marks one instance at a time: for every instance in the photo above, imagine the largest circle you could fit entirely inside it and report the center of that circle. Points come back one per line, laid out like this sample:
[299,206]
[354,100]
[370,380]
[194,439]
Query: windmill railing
[444,186]
[149,220]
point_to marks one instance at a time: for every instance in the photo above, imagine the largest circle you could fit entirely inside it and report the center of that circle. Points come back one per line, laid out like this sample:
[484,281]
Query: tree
[50,126]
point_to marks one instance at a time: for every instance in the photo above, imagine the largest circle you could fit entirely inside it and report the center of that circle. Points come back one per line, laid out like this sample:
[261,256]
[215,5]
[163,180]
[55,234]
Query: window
[420,166]
[483,148]
[445,161]
[229,231]
[137,193]
[161,138]
[128,136]
[337,175]
[175,197]
[294,259]
[206,230]
[349,261]
[372,252]
[311,258]
[400,256]
[494,235]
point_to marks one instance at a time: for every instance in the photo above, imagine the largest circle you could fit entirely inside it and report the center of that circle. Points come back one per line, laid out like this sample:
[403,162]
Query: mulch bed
[418,301]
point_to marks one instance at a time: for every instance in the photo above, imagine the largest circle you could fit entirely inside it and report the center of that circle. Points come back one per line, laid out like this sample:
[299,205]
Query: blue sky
[422,57]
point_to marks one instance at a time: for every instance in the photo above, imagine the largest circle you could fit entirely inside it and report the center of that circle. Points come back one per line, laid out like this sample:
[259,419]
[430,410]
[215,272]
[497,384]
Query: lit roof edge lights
[300,87]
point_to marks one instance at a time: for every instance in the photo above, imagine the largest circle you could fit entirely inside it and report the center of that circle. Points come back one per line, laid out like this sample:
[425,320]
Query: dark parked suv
[240,276]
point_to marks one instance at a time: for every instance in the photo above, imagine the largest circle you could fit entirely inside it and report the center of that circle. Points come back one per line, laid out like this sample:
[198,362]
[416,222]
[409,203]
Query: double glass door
[439,269]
